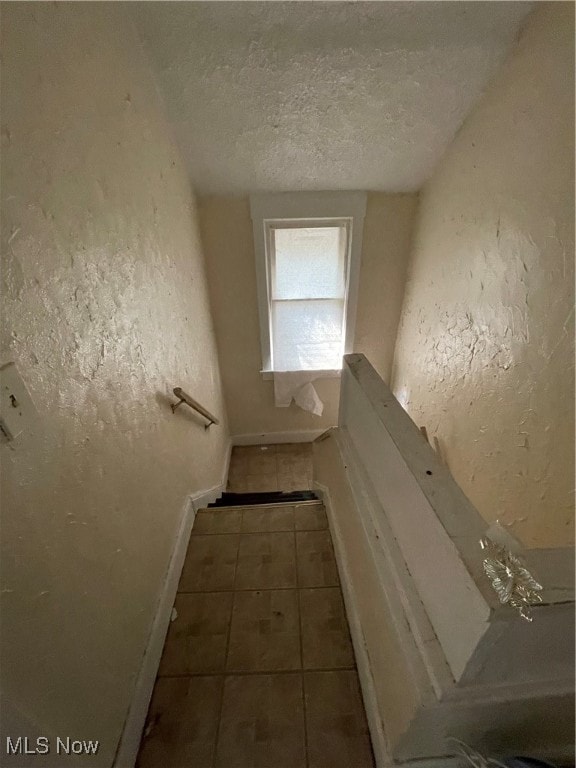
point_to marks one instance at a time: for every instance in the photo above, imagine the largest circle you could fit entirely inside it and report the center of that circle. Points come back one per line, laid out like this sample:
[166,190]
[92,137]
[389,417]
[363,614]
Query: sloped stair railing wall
[439,655]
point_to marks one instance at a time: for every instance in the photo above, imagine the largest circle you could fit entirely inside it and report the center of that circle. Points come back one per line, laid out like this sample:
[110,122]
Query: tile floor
[258,669]
[256,468]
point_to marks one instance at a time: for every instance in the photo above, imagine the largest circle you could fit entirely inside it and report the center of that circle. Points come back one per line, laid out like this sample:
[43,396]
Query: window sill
[324,373]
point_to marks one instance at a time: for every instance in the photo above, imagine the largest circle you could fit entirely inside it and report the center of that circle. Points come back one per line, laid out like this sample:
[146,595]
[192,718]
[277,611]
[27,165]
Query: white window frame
[288,209]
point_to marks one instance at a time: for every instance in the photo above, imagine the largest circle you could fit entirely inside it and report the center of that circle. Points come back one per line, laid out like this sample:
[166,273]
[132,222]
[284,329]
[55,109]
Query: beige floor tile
[261,483]
[210,563]
[265,632]
[310,517]
[285,461]
[217,521]
[237,485]
[261,468]
[236,477]
[262,464]
[197,638]
[292,482]
[238,462]
[315,557]
[182,723]
[262,723]
[326,640]
[302,480]
[268,519]
[298,463]
[335,721]
[266,561]
[286,482]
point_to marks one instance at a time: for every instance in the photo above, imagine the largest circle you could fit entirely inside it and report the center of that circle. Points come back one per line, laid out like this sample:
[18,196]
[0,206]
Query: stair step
[268,497]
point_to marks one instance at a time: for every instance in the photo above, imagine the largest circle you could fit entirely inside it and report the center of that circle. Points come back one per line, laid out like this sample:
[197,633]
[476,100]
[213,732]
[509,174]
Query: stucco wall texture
[484,355]
[387,239]
[105,310]
[228,241]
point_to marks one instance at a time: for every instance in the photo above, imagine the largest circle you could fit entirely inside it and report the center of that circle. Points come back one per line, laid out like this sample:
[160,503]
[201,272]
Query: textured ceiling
[313,95]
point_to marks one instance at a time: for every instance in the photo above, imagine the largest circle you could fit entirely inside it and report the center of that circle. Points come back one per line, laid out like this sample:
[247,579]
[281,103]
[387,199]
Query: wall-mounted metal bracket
[185,398]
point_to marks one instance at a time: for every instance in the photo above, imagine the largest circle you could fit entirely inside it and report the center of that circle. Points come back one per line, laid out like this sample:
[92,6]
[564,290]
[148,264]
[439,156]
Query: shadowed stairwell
[258,667]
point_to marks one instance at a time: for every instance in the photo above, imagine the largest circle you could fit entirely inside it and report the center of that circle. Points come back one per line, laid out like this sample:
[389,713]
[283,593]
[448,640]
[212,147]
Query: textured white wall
[105,309]
[228,241]
[484,355]
[388,233]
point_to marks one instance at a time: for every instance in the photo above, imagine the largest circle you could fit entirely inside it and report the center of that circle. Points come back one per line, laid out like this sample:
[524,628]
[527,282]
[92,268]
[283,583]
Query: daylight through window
[307,274]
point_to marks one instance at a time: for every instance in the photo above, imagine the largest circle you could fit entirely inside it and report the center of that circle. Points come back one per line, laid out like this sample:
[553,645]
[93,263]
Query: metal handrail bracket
[185,398]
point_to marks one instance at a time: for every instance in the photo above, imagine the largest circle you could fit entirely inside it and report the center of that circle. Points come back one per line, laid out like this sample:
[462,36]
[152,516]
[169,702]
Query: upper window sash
[272,226]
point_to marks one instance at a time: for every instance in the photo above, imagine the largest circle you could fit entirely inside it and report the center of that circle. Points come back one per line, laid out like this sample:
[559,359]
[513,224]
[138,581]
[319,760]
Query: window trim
[314,208]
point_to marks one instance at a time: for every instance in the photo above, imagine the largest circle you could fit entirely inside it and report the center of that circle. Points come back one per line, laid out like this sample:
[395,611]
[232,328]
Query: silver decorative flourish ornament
[510,579]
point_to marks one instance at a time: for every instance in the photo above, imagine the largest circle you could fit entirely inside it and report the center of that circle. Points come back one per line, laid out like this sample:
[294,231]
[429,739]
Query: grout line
[306,751]
[221,709]
[298,591]
[257,589]
[256,672]
[303,456]
[299,605]
[248,533]
[235,574]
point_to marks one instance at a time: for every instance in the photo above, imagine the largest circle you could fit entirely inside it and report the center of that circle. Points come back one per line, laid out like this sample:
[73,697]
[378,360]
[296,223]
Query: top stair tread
[229,499]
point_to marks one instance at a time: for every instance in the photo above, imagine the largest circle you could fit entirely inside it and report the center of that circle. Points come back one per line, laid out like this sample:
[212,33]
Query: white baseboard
[378,737]
[201,499]
[270,438]
[132,733]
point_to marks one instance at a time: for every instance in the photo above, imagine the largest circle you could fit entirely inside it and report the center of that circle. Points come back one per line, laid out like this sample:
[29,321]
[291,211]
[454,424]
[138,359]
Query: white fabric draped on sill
[297,386]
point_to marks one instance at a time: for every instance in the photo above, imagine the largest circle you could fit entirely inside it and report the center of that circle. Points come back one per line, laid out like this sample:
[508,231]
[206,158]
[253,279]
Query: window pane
[307,335]
[309,263]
